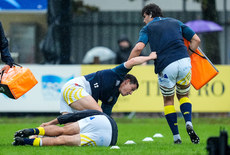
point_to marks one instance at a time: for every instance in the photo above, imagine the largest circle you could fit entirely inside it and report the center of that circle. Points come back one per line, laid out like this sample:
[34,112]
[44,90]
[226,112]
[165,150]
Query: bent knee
[182,90]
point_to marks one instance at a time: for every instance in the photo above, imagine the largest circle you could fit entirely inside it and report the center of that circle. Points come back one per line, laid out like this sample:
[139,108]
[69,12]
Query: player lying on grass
[89,128]
[106,85]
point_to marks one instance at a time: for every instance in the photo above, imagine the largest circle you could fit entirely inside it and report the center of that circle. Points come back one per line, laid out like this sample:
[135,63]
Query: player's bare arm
[53,122]
[195,42]
[136,51]
[139,60]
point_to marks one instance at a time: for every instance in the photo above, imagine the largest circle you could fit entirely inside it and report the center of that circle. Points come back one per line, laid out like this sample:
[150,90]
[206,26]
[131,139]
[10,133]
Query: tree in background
[210,40]
[56,46]
[80,8]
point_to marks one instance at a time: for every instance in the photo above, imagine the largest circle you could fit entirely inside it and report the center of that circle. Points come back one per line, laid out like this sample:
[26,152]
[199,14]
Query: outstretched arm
[53,122]
[139,60]
[136,51]
[72,117]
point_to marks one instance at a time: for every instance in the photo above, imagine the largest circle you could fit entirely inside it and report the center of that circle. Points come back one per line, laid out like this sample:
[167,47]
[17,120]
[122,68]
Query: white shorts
[95,131]
[178,72]
[72,91]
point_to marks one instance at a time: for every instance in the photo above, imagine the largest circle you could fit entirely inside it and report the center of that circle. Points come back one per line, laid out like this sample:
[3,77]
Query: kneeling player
[90,128]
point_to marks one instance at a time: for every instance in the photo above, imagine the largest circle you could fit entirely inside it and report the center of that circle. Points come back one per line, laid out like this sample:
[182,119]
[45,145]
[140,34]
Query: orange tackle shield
[202,68]
[17,81]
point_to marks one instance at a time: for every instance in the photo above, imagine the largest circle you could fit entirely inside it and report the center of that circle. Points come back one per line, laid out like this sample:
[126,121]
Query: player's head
[129,85]
[151,11]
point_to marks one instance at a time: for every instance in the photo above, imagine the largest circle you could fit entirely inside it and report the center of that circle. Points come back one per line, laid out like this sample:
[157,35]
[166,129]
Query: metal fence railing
[105,28]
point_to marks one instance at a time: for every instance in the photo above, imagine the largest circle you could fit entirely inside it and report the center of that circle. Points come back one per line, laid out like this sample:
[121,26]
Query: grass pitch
[135,129]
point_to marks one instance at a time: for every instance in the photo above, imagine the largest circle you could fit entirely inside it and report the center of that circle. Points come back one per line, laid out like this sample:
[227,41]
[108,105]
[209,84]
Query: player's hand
[189,52]
[5,68]
[153,55]
[33,136]
[44,124]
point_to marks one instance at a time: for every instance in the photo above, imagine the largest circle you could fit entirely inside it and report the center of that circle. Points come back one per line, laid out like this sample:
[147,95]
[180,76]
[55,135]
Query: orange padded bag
[202,68]
[17,81]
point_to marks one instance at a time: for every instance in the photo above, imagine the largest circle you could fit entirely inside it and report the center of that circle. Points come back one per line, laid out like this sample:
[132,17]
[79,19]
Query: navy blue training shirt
[105,86]
[165,36]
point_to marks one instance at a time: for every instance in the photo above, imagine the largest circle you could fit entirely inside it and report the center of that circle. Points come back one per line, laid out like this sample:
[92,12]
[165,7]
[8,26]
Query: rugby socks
[33,141]
[176,137]
[38,131]
[41,131]
[171,117]
[186,110]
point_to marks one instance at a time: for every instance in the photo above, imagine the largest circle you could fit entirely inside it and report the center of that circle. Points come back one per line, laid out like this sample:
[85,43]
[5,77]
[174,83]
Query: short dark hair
[152,9]
[132,78]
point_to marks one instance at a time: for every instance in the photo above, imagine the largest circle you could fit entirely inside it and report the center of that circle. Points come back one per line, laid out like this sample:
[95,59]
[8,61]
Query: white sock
[189,123]
[40,144]
[175,137]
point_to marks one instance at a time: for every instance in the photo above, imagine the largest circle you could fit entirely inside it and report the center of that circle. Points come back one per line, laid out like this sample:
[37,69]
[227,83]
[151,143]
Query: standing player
[4,50]
[106,85]
[87,128]
[173,66]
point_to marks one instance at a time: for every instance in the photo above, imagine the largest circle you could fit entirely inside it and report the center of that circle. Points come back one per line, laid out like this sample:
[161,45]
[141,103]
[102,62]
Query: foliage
[210,40]
[80,8]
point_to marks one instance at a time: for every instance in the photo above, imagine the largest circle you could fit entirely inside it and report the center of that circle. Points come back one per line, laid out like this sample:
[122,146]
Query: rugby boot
[193,136]
[18,141]
[24,133]
[178,141]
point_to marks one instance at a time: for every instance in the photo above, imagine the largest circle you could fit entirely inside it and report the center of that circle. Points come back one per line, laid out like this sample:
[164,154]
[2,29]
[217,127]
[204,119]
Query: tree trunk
[210,40]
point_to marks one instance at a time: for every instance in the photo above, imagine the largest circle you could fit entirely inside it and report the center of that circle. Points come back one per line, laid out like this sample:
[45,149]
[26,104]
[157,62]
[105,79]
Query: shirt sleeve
[73,117]
[5,54]
[143,36]
[107,107]
[187,32]
[121,70]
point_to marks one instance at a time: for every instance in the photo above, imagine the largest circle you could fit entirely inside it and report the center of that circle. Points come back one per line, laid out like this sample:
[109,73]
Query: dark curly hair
[152,9]
[132,78]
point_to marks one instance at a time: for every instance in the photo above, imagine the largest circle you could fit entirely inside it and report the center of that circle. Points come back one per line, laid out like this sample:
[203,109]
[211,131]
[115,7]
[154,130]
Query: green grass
[135,129]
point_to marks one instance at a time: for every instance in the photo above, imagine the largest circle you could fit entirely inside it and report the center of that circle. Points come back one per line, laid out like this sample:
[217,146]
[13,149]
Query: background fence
[105,28]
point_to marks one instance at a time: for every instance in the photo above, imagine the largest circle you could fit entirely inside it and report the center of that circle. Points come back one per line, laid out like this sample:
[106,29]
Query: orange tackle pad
[17,81]
[202,68]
